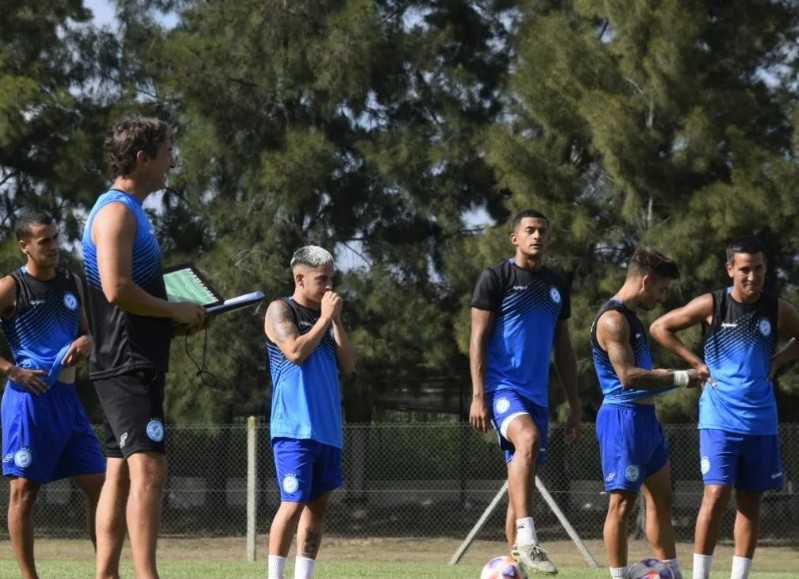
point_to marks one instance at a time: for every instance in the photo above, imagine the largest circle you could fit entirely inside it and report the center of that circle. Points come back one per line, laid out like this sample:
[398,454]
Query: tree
[349,124]
[652,123]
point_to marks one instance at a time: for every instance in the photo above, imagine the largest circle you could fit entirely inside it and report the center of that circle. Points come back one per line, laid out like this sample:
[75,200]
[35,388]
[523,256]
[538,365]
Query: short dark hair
[129,137]
[648,261]
[30,218]
[746,244]
[528,213]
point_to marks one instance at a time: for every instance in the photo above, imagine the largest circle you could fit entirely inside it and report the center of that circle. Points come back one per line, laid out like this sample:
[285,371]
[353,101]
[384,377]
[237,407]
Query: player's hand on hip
[30,379]
[189,314]
[478,414]
[703,377]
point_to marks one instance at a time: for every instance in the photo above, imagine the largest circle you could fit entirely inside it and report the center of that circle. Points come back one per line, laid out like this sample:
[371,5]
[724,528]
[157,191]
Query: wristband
[681,378]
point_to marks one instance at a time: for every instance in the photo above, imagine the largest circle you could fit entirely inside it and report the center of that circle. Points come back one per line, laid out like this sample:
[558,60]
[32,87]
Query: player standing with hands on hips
[46,433]
[132,323]
[307,347]
[738,424]
[632,445]
[520,313]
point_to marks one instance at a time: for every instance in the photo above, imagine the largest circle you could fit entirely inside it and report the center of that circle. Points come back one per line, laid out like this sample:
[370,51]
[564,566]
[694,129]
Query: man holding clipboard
[132,322]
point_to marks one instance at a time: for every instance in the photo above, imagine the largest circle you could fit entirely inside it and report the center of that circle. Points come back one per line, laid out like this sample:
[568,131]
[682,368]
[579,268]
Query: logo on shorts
[764,326]
[290,484]
[155,430]
[122,440]
[23,458]
[70,301]
[704,464]
[8,458]
[501,405]
[632,472]
[610,477]
[554,295]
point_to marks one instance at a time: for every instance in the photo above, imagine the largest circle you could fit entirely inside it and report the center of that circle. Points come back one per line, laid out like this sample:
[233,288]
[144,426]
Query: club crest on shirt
[290,484]
[70,301]
[632,472]
[23,458]
[501,405]
[155,430]
[704,464]
[554,295]
[764,326]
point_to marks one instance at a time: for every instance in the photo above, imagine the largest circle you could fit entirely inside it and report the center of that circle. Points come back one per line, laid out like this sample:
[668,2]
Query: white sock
[618,572]
[525,532]
[740,567]
[303,567]
[674,565]
[276,567]
[702,564]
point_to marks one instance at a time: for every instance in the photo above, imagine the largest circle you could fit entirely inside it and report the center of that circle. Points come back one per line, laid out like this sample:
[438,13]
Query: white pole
[252,484]
[478,525]
[566,524]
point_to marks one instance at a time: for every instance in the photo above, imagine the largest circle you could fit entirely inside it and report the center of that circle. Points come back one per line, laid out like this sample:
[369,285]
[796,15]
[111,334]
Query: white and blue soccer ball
[503,568]
[650,569]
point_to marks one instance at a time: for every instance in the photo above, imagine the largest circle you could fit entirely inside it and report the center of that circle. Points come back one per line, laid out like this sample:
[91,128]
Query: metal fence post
[252,486]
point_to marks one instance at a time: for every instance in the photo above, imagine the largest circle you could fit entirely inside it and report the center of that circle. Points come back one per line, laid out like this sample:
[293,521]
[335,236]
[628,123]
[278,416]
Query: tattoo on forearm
[313,538]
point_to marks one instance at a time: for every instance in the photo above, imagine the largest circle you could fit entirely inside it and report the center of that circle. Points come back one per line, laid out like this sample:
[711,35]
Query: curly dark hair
[648,261]
[129,137]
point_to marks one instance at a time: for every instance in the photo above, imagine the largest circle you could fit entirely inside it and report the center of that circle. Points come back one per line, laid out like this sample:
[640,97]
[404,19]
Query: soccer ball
[650,569]
[502,568]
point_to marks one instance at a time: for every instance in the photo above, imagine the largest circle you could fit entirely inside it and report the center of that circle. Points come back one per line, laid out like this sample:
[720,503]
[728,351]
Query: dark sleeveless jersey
[738,346]
[124,342]
[609,381]
[46,318]
[527,307]
[306,401]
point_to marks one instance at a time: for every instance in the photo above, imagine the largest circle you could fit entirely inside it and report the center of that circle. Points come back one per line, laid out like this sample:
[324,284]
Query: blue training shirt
[45,321]
[527,307]
[612,390]
[738,346]
[125,342]
[306,399]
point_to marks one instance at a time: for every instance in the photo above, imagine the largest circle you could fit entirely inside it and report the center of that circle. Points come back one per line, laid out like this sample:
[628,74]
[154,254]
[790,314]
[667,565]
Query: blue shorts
[306,469]
[631,443]
[48,437]
[506,405]
[749,462]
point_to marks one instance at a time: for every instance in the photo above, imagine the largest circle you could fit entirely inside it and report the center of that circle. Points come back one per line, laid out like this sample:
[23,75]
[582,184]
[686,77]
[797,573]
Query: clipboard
[185,283]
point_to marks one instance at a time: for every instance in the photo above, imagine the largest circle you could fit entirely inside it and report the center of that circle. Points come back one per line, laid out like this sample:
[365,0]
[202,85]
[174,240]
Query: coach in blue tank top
[632,445]
[132,323]
[47,435]
[738,426]
[307,347]
[520,314]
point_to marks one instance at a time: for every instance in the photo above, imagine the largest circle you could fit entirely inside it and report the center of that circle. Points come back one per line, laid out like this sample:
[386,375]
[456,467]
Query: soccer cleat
[534,559]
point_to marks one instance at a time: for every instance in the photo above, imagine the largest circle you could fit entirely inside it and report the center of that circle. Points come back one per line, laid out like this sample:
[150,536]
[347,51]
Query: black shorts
[133,405]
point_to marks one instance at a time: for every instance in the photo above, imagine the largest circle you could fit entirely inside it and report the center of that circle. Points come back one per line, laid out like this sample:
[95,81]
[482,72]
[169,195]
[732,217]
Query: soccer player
[132,322]
[631,442]
[46,433]
[307,347]
[520,311]
[738,426]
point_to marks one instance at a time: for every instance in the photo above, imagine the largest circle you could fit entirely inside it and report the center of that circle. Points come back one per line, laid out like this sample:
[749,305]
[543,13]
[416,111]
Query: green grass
[326,570]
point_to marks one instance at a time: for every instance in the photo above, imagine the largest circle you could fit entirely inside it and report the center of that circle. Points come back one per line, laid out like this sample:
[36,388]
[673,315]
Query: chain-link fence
[424,480]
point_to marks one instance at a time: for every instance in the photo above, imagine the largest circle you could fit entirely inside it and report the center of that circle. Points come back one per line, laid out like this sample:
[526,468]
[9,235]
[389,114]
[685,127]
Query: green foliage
[374,127]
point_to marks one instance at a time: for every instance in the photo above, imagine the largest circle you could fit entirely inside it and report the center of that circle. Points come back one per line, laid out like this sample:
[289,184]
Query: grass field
[378,558]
